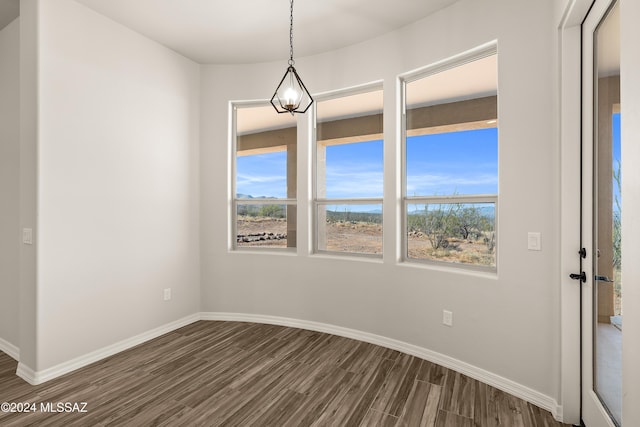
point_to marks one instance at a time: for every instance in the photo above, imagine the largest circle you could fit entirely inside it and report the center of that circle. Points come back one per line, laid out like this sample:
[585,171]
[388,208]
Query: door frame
[570,60]
[570,137]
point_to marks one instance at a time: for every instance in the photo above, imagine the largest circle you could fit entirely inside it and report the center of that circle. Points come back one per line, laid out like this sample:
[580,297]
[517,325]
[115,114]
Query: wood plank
[458,394]
[351,404]
[316,401]
[421,409]
[280,411]
[397,386]
[378,419]
[486,407]
[432,373]
[449,419]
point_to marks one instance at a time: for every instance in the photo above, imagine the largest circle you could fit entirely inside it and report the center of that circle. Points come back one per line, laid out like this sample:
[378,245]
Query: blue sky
[617,154]
[440,164]
[616,137]
[453,163]
[355,170]
[262,175]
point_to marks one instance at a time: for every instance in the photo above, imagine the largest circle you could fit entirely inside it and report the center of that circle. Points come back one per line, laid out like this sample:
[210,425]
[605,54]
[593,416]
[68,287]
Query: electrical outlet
[167,294]
[447,317]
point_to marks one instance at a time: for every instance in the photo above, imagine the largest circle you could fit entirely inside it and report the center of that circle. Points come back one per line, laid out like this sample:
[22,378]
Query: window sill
[468,270]
[265,251]
[377,259]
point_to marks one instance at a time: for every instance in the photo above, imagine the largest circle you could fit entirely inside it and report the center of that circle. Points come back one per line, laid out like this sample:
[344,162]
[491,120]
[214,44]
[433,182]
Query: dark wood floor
[245,374]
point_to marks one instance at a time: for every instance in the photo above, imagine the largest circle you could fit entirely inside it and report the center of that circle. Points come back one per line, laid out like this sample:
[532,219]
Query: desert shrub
[272,211]
[442,223]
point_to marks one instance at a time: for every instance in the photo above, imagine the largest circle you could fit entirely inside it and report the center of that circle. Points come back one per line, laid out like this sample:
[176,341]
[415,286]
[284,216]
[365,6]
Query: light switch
[533,241]
[27,236]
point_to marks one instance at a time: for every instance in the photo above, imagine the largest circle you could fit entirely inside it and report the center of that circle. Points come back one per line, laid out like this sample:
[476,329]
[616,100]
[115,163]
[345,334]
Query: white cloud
[429,184]
[246,179]
[348,184]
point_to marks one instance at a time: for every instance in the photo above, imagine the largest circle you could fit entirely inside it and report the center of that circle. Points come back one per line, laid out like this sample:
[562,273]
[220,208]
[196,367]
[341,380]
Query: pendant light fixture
[291,96]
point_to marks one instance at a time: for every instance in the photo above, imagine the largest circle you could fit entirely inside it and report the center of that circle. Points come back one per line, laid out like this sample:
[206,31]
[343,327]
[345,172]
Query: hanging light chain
[291,95]
[291,61]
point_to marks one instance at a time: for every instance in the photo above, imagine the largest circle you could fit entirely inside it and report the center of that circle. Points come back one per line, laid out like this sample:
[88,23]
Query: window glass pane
[349,165]
[263,225]
[265,153]
[607,233]
[265,168]
[444,164]
[452,135]
[352,228]
[349,156]
[262,175]
[455,232]
[451,150]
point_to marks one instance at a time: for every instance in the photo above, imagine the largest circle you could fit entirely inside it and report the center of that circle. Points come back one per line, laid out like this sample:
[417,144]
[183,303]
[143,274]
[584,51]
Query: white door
[601,217]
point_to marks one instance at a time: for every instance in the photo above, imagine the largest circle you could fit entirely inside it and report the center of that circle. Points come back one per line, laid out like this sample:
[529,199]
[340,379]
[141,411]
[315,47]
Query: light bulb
[291,98]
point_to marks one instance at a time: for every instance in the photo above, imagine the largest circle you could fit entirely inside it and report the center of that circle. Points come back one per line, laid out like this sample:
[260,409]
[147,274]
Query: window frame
[316,201]
[236,201]
[478,53]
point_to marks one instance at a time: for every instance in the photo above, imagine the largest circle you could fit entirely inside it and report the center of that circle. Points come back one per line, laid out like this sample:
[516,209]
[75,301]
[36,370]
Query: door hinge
[582,276]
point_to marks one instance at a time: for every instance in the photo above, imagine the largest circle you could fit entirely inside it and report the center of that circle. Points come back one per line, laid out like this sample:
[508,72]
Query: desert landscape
[352,236]
[363,237]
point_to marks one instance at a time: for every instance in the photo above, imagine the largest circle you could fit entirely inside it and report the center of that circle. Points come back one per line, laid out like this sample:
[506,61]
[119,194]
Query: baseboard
[10,349]
[39,377]
[27,374]
[525,393]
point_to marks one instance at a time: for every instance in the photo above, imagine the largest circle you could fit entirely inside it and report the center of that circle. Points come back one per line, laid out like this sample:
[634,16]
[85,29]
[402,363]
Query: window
[451,163]
[349,173]
[265,187]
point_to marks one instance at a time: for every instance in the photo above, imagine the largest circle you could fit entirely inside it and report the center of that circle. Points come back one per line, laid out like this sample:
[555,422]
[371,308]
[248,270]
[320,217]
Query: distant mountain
[248,196]
[485,211]
[373,217]
[371,212]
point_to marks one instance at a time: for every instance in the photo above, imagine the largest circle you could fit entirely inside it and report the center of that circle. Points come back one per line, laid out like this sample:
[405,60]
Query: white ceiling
[251,31]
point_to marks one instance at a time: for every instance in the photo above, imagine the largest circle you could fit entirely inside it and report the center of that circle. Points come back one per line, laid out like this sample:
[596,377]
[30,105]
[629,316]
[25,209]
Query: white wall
[29,119]
[117,190]
[9,183]
[506,324]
